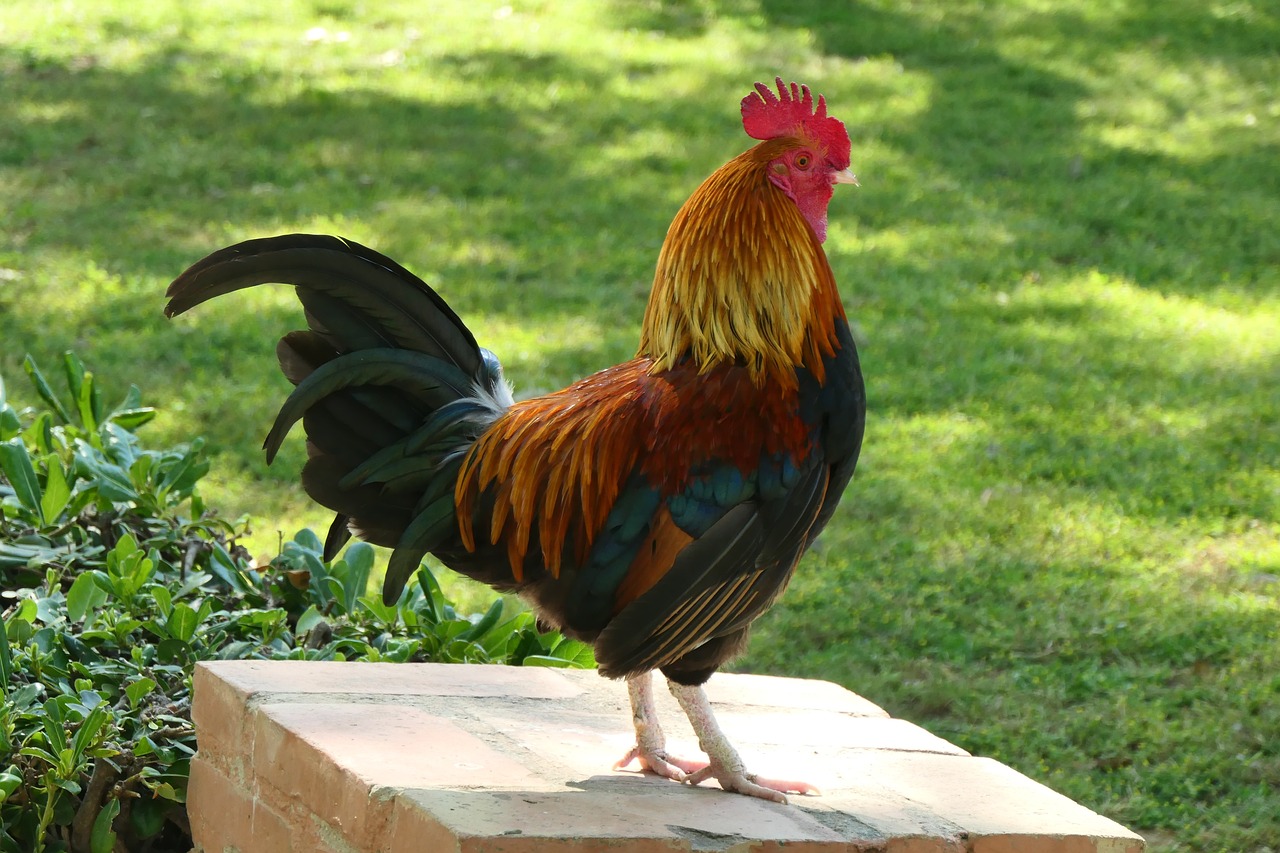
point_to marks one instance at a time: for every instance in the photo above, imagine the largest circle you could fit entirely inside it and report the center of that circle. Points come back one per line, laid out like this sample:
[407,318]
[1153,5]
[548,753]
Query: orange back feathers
[558,463]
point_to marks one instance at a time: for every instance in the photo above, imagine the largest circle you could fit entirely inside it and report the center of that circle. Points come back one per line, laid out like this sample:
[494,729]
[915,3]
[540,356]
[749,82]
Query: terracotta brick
[528,822]
[415,829]
[221,713]
[649,816]
[262,680]
[874,846]
[764,691]
[350,758]
[799,728]
[371,744]
[1053,844]
[926,845]
[313,835]
[224,816]
[211,798]
[945,795]
[341,759]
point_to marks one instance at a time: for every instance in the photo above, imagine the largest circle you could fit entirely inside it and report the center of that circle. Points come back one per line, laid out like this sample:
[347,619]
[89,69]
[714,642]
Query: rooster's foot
[741,782]
[659,763]
[726,766]
[651,745]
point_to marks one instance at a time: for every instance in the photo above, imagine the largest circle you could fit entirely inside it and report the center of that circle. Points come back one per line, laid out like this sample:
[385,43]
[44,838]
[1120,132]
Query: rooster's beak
[846,176]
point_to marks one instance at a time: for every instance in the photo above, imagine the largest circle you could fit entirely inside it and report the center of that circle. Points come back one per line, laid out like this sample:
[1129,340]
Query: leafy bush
[116,580]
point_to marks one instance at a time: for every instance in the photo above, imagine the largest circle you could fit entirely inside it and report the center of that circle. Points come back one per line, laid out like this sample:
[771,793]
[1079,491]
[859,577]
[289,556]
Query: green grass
[1062,548]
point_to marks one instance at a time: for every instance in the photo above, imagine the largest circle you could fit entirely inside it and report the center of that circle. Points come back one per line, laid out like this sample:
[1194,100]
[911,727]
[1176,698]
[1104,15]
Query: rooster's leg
[726,765]
[651,745]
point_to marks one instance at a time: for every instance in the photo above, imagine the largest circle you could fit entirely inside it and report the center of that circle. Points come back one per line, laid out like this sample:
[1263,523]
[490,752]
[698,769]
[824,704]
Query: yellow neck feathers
[742,279]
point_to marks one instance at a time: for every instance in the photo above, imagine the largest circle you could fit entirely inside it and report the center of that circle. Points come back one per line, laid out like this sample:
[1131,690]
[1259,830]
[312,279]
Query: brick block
[223,716]
[348,758]
[226,816]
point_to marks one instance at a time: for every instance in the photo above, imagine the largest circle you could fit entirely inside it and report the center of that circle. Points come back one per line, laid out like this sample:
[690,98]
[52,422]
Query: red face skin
[809,180]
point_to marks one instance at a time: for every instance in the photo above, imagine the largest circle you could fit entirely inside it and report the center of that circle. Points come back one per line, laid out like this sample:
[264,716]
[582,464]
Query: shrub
[116,580]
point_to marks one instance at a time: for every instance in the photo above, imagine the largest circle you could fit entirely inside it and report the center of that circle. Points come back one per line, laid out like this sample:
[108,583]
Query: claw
[651,745]
[751,784]
[726,766]
[661,764]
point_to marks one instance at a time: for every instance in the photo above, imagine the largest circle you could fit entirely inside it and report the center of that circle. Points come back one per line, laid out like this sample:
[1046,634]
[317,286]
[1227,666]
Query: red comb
[791,113]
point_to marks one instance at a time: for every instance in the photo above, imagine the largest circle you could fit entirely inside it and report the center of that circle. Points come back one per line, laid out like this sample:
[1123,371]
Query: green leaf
[182,475]
[384,613]
[56,491]
[140,470]
[578,654]
[308,620]
[182,622]
[148,816]
[112,481]
[194,583]
[307,539]
[10,781]
[164,601]
[35,751]
[119,445]
[43,389]
[131,414]
[66,768]
[103,581]
[6,658]
[359,560]
[131,419]
[490,618]
[141,568]
[545,660]
[10,423]
[73,367]
[89,699]
[20,631]
[84,391]
[54,733]
[84,596]
[432,595]
[332,590]
[175,651]
[27,610]
[15,462]
[359,557]
[40,433]
[103,838]
[125,546]
[87,733]
[224,568]
[138,690]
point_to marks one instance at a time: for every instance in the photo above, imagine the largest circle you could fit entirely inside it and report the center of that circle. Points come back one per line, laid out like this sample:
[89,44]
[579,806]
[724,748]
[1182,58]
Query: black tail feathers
[392,388]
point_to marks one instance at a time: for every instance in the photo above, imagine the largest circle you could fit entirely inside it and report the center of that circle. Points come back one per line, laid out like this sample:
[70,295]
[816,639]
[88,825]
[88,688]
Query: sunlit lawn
[1062,548]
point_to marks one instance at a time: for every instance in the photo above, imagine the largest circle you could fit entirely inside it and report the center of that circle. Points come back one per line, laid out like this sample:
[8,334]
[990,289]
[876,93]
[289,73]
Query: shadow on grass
[199,157]
[1010,136]
[1007,134]
[1090,429]
[1084,535]
[141,173]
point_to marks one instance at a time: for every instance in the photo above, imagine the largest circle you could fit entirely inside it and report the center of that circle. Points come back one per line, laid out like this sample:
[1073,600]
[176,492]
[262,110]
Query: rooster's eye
[802,162]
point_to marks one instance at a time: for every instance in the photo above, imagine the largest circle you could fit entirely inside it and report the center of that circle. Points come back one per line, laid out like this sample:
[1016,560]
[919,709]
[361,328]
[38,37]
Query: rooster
[654,509]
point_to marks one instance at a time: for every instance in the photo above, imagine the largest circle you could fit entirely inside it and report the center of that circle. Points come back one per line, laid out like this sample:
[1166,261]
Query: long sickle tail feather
[392,388]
